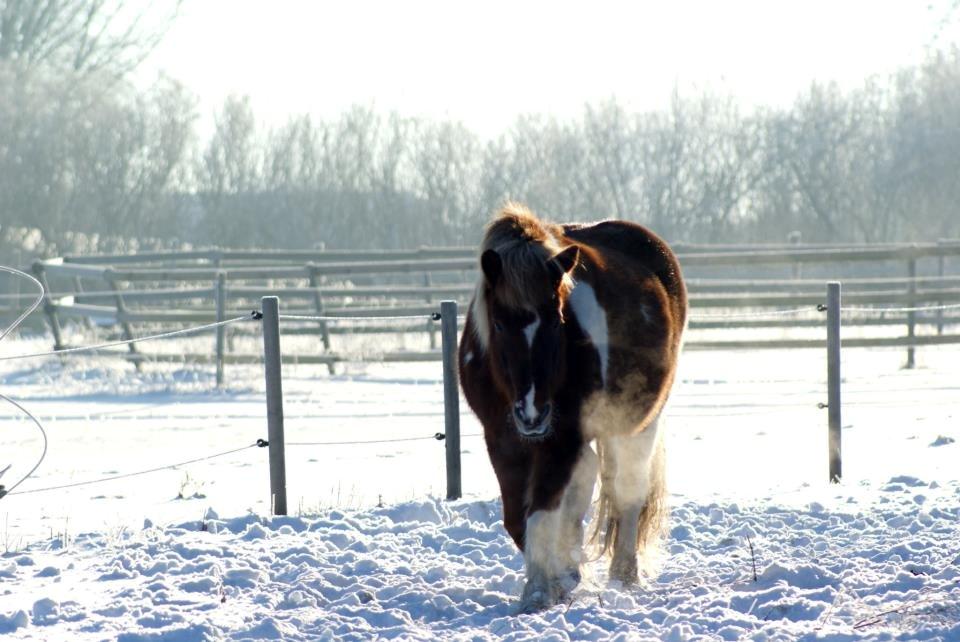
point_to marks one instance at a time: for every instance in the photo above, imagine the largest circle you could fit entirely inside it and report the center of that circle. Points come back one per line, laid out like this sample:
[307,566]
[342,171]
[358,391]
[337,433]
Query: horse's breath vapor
[571,339]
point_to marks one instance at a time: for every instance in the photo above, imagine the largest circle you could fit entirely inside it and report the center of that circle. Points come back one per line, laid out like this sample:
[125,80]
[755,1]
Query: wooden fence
[731,288]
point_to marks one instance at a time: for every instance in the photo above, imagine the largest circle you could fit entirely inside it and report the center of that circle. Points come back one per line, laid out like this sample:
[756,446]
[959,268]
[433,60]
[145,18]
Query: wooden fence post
[941,271]
[431,331]
[48,308]
[16,282]
[318,304]
[451,396]
[794,238]
[78,286]
[121,316]
[833,380]
[270,306]
[912,316]
[221,292]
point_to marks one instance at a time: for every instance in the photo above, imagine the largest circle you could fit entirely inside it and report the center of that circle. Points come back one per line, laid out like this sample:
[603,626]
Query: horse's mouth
[537,432]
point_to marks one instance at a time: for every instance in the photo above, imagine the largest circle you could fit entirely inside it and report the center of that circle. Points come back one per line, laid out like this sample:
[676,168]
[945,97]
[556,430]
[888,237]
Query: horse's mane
[525,244]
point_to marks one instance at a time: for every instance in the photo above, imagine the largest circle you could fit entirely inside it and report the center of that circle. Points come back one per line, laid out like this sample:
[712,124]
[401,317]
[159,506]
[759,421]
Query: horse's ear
[492,266]
[563,262]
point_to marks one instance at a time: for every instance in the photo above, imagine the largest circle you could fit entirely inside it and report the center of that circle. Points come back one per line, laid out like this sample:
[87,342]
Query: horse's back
[633,244]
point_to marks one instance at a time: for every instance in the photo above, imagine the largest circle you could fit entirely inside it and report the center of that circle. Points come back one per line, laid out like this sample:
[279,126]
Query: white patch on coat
[593,320]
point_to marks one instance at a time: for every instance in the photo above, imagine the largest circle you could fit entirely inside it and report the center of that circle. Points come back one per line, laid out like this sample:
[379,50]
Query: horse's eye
[497,326]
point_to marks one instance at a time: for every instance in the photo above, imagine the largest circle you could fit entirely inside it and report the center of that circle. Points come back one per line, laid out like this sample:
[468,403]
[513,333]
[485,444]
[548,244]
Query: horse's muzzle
[533,428]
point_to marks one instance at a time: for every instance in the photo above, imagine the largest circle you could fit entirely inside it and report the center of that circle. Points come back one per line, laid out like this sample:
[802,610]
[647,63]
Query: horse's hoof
[533,603]
[537,597]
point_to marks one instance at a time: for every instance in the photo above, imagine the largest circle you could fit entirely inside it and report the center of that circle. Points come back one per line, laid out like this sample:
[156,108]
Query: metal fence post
[270,306]
[221,291]
[833,380]
[451,396]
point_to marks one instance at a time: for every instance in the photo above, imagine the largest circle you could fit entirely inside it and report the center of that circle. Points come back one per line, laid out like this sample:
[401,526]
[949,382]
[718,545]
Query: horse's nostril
[544,412]
[519,414]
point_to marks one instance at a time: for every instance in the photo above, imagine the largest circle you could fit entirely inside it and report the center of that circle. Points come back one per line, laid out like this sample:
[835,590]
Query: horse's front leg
[576,502]
[554,537]
[541,589]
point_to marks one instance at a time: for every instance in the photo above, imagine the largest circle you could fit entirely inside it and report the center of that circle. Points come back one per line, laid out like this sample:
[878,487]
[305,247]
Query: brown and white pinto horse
[571,338]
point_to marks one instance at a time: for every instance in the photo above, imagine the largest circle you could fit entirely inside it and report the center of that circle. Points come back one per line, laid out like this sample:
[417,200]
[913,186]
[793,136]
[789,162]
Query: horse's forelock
[525,244]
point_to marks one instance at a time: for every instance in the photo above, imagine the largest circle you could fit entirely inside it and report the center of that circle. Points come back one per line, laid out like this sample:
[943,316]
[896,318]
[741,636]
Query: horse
[571,339]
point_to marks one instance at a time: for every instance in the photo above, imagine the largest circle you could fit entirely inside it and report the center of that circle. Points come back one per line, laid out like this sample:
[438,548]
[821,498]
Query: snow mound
[428,570]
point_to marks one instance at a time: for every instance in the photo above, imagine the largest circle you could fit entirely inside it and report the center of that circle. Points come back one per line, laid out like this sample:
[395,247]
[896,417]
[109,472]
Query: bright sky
[483,63]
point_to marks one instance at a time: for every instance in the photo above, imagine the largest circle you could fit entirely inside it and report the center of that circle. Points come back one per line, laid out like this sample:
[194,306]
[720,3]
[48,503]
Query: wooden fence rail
[182,288]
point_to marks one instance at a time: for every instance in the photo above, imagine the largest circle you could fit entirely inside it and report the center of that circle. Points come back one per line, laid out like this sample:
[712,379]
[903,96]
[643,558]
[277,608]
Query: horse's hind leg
[633,487]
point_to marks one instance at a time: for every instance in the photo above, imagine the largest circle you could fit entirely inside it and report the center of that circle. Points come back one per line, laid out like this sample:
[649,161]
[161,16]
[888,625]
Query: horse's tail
[653,517]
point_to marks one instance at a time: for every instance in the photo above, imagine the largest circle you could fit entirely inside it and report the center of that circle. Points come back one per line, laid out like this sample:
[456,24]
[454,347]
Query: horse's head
[525,332]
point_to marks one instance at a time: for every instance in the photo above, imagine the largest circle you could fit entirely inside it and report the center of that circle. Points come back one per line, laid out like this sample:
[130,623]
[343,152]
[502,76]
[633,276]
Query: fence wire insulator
[262,443]
[436,316]
[821,307]
[439,436]
[256,315]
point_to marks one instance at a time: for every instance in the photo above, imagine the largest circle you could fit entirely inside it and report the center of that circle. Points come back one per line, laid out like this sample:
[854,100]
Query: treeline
[85,158]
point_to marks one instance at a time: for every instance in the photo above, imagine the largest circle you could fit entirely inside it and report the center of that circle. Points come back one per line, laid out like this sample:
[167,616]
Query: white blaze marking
[531,331]
[593,320]
[528,400]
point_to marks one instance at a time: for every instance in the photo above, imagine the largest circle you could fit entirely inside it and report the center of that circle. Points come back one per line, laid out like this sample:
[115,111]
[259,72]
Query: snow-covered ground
[760,547]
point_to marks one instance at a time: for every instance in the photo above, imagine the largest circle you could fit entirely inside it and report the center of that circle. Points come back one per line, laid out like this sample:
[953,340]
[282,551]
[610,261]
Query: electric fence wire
[926,308]
[163,335]
[258,444]
[403,317]
[720,316]
[436,437]
[4,491]
[40,296]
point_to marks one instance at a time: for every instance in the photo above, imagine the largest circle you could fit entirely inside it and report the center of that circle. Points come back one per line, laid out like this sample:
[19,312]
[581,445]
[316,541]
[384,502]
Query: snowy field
[760,547]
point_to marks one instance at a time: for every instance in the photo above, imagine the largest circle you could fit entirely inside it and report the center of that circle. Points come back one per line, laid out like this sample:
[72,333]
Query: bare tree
[446,160]
[229,179]
[83,36]
[89,155]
